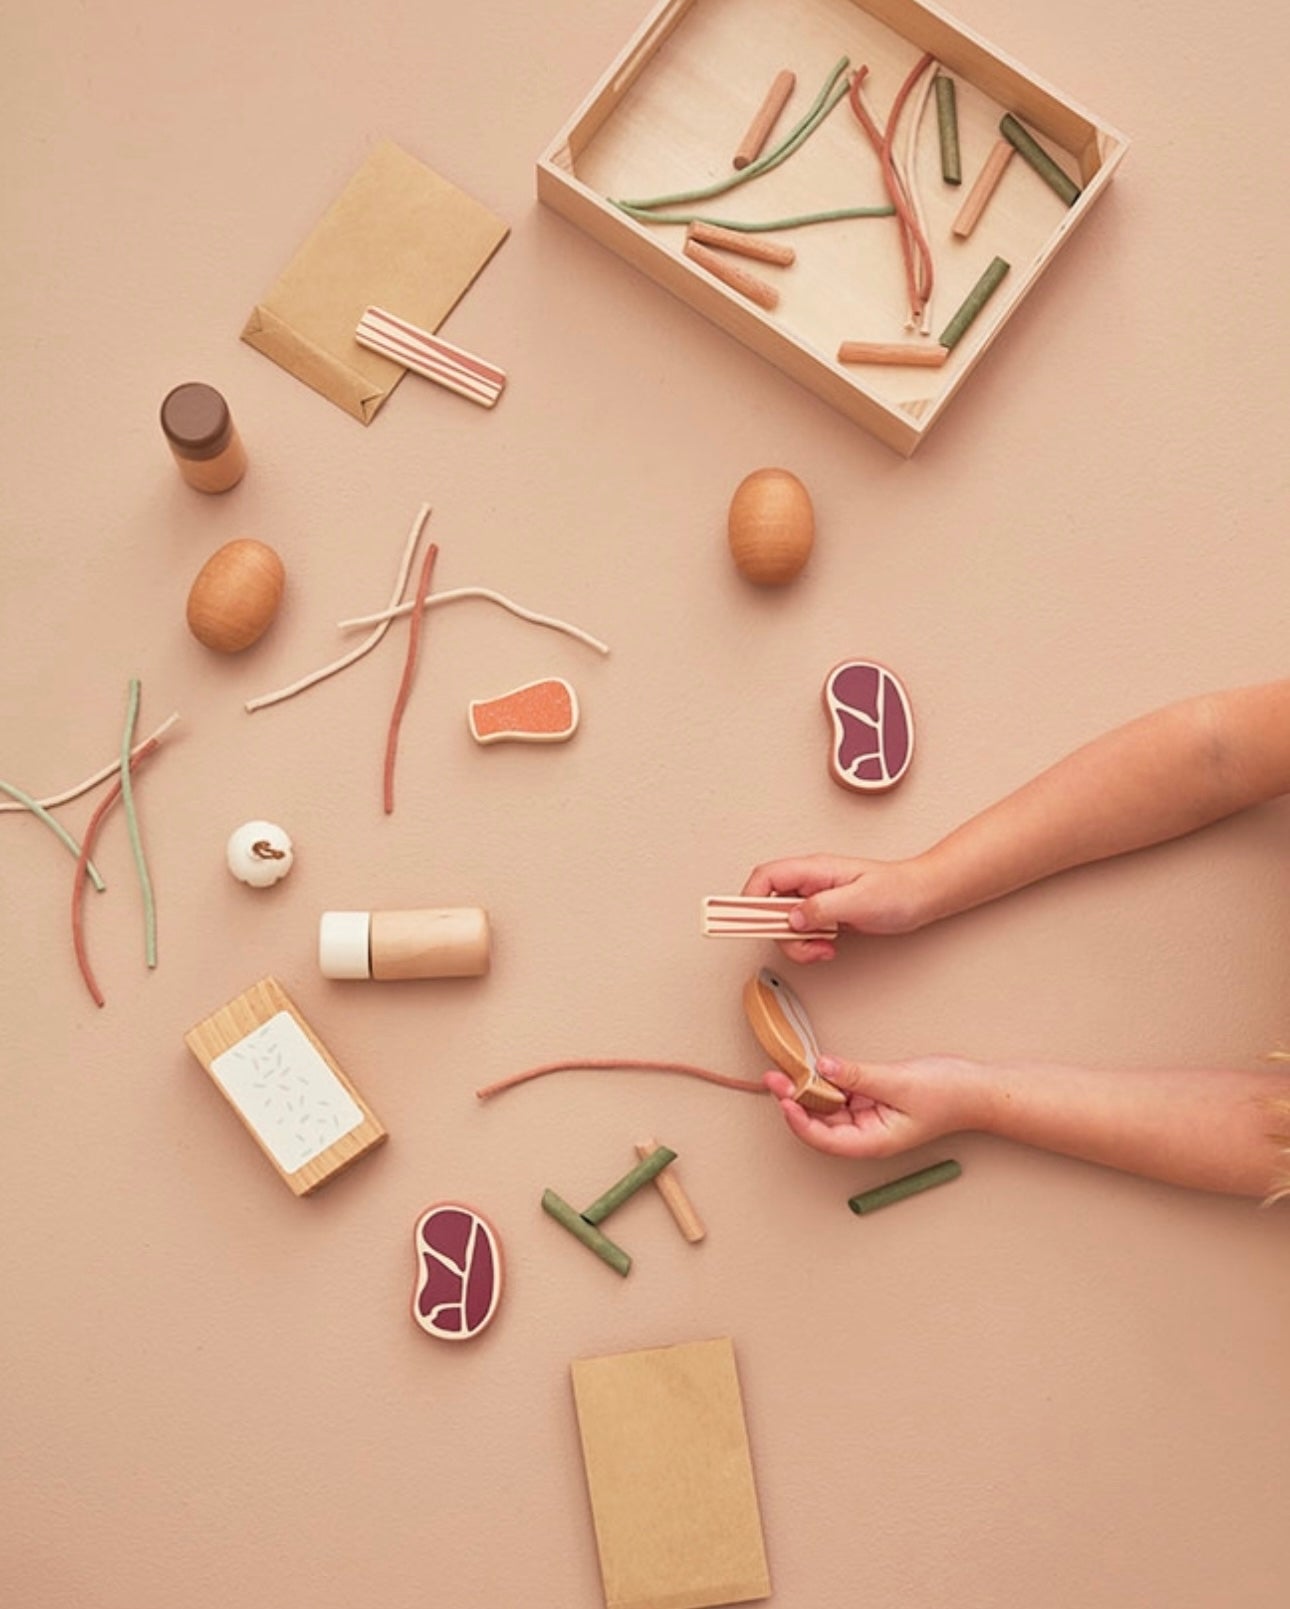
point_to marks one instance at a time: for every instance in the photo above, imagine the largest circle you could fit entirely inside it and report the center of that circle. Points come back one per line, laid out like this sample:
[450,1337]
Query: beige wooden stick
[743,245]
[892,352]
[678,1203]
[738,279]
[983,188]
[759,129]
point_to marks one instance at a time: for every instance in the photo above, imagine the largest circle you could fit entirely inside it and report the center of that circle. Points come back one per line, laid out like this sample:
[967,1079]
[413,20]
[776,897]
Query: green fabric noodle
[824,102]
[644,215]
[39,810]
[132,825]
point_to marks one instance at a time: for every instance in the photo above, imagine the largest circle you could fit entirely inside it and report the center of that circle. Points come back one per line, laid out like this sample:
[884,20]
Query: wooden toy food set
[706,87]
[657,144]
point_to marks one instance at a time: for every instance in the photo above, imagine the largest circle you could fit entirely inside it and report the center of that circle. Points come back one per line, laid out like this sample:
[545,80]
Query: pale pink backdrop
[1044,1385]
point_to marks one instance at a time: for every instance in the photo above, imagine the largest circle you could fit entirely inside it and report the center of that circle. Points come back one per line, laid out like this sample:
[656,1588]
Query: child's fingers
[841,1074]
[806,951]
[847,1139]
[781,1087]
[800,874]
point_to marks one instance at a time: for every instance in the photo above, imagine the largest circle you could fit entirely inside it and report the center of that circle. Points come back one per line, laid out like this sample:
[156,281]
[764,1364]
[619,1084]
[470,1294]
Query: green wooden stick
[1039,159]
[977,297]
[947,124]
[884,1195]
[627,1186]
[73,848]
[580,1229]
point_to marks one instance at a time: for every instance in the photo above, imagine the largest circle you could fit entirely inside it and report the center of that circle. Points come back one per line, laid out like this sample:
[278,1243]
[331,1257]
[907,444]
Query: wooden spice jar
[203,438]
[390,945]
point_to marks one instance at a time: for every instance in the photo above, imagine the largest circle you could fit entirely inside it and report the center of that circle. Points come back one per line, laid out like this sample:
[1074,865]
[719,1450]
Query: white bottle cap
[344,944]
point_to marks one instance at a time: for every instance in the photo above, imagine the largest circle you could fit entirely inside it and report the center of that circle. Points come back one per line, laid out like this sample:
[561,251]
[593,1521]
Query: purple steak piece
[459,1272]
[872,726]
[897,735]
[451,1228]
[856,686]
[858,741]
[480,1283]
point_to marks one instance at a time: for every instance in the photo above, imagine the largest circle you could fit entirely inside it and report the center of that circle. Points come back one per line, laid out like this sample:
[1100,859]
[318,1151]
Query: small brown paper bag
[398,236]
[670,1477]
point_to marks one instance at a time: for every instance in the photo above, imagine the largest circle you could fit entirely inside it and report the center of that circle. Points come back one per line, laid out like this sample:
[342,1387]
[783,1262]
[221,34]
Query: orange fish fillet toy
[540,712]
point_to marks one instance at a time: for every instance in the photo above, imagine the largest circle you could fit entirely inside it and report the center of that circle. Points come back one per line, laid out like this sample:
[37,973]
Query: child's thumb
[872,1079]
[842,1074]
[819,913]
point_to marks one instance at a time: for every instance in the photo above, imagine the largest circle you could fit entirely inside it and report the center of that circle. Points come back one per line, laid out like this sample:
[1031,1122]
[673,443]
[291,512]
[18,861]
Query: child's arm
[1163,775]
[1224,1131]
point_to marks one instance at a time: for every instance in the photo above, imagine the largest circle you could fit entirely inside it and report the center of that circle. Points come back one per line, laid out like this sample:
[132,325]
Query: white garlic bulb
[259,853]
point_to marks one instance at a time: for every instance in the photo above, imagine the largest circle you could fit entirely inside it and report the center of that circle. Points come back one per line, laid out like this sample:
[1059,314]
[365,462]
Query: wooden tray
[670,111]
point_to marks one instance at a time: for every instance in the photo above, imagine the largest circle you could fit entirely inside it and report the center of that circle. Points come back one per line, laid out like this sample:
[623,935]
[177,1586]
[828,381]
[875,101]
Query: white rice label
[286,1092]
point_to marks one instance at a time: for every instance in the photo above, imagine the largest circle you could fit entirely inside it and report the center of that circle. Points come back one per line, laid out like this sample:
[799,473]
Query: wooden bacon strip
[430,356]
[747,916]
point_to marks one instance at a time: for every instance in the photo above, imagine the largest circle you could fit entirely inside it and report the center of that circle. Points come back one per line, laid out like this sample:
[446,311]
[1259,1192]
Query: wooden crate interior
[671,118]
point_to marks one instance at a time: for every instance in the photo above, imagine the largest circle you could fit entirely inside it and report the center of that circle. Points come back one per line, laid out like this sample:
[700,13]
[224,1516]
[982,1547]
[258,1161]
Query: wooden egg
[771,527]
[235,596]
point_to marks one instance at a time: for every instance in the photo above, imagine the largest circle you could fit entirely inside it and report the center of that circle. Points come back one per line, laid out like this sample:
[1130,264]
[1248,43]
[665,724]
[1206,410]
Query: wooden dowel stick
[975,300]
[738,279]
[1052,175]
[590,1237]
[750,146]
[892,352]
[983,188]
[627,1186]
[673,1193]
[884,1195]
[947,125]
[743,245]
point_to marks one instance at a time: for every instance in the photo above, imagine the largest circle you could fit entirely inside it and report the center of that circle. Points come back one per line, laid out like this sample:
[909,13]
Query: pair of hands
[893,1106]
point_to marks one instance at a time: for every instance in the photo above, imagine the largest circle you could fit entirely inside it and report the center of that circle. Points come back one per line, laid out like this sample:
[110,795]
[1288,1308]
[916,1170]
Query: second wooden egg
[235,596]
[771,527]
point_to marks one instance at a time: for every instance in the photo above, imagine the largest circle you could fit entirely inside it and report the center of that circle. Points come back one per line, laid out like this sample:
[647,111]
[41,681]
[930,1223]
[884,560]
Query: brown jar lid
[196,421]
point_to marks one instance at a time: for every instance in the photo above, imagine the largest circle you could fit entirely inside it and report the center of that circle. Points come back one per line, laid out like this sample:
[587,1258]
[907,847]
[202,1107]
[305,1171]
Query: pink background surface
[1046,1384]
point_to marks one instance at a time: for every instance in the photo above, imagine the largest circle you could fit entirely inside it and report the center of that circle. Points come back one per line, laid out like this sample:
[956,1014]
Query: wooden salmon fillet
[539,712]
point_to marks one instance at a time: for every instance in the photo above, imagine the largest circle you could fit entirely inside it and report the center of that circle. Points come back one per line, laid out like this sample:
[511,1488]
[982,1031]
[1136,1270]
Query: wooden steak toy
[459,1272]
[784,1032]
[872,740]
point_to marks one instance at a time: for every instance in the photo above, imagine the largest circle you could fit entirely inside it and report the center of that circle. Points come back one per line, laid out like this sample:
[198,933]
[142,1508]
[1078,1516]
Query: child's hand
[868,896]
[891,1106]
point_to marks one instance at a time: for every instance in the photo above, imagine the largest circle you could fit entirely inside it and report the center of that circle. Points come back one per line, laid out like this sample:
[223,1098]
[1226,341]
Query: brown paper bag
[397,237]
[670,1477]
